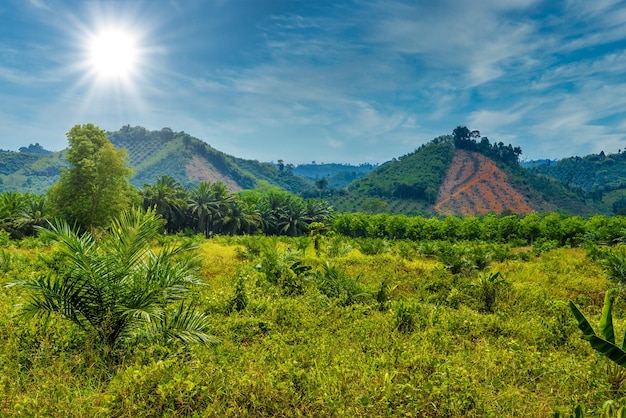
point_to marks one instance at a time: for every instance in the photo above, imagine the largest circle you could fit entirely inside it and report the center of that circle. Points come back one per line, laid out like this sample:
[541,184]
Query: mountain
[457,175]
[153,154]
[461,174]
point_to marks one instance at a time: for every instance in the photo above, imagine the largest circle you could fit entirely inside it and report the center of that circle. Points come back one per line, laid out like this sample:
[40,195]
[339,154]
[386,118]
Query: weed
[239,300]
[404,318]
[487,286]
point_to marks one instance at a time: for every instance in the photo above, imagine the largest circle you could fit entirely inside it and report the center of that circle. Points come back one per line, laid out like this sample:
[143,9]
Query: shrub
[336,284]
[405,318]
[487,286]
[239,301]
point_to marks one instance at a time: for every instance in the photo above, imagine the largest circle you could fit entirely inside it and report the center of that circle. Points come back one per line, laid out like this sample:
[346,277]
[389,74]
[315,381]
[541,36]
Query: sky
[359,81]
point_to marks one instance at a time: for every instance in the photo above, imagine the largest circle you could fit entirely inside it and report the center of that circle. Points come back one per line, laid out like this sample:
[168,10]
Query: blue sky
[325,81]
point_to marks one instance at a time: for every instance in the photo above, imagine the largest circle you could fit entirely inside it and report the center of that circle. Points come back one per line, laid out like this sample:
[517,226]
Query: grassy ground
[427,347]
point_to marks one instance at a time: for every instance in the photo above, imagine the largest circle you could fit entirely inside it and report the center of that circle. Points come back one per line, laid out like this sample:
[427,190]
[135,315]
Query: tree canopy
[96,187]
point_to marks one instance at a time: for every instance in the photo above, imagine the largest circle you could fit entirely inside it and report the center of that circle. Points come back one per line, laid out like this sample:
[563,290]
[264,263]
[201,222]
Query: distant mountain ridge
[459,174]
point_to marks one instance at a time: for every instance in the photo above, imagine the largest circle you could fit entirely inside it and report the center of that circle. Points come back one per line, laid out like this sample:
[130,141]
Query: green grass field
[390,334]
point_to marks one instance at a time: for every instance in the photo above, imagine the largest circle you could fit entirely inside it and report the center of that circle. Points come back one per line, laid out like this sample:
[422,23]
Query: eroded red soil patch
[475,185]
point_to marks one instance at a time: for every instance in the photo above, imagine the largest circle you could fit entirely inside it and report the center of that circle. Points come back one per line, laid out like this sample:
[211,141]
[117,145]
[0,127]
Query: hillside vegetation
[417,175]
[461,174]
[598,177]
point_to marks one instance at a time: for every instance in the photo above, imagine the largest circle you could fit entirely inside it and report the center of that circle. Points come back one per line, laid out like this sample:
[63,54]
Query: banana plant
[605,343]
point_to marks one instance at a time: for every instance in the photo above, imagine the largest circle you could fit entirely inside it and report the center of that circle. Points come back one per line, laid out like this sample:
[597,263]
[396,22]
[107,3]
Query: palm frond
[184,324]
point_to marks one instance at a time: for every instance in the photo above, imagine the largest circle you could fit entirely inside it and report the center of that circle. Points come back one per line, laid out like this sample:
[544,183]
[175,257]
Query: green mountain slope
[592,172]
[153,154]
[456,174]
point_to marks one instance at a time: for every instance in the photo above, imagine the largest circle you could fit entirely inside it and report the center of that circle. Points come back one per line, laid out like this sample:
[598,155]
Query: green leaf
[583,324]
[606,348]
[606,321]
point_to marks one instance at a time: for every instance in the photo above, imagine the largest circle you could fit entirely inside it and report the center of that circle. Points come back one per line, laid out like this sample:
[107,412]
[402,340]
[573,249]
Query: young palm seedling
[117,287]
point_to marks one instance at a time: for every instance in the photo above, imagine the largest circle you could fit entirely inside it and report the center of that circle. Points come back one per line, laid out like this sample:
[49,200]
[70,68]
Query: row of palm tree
[210,208]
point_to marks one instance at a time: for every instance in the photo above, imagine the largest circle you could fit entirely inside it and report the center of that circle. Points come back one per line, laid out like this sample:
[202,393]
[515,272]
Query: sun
[113,54]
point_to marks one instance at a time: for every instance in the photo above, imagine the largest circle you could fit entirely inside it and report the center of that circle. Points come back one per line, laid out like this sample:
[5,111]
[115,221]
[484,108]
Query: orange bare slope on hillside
[199,169]
[475,185]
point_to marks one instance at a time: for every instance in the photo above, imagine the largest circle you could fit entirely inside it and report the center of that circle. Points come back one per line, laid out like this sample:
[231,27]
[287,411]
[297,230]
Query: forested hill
[153,154]
[462,174]
[189,160]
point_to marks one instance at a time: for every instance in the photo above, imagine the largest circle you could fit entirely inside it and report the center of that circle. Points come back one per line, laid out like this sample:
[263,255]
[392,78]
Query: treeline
[211,209]
[520,230]
[591,176]
[208,209]
[468,140]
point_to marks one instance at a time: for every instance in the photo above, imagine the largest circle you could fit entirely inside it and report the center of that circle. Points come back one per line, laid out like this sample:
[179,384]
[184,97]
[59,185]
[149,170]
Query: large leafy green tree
[96,188]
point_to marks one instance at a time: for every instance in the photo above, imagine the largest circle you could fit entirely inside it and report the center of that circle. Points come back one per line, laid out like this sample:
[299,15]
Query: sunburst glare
[113,53]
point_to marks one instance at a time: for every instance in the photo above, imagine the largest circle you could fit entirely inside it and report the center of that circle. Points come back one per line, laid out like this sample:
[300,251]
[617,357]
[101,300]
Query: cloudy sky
[331,81]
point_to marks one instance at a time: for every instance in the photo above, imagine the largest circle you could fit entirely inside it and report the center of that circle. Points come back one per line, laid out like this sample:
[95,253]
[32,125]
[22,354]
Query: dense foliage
[522,230]
[96,188]
[10,161]
[468,140]
[594,176]
[211,209]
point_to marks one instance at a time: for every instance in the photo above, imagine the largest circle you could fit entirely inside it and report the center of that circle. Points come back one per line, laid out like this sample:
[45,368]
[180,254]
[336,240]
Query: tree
[321,184]
[96,188]
[293,219]
[169,199]
[209,203]
[118,287]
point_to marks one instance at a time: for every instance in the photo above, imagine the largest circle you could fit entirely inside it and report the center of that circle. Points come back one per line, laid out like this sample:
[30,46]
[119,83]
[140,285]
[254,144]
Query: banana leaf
[604,347]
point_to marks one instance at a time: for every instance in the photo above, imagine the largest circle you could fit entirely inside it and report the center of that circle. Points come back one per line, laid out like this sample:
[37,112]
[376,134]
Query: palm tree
[202,206]
[293,219]
[117,286]
[169,199]
[270,207]
[11,206]
[251,219]
[224,204]
[34,214]
[318,210]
